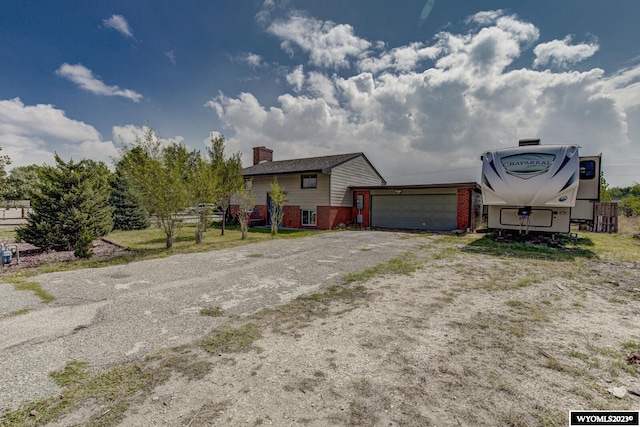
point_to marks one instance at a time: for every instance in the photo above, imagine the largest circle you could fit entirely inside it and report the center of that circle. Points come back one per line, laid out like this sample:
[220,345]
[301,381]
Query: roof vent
[527,142]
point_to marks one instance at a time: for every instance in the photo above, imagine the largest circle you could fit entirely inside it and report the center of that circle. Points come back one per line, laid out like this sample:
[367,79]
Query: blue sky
[422,95]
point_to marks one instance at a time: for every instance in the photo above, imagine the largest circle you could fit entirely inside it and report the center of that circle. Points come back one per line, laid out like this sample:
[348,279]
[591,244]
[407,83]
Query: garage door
[416,212]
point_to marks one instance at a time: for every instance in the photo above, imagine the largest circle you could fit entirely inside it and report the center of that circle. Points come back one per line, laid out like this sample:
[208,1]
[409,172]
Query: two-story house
[318,189]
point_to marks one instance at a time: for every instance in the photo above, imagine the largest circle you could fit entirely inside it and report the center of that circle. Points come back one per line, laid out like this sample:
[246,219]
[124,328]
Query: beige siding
[355,172]
[414,191]
[306,198]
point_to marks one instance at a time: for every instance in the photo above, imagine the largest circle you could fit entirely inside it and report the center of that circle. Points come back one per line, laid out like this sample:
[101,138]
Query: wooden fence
[605,217]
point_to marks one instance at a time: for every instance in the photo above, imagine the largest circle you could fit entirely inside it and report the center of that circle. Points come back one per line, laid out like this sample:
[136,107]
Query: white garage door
[415,212]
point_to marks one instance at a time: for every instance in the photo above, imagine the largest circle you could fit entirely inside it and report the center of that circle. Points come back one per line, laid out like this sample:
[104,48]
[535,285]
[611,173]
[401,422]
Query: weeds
[403,264]
[213,311]
[20,284]
[113,388]
[19,312]
[232,340]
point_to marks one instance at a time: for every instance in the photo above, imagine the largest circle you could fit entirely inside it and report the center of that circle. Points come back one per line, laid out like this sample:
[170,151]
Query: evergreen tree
[70,197]
[128,211]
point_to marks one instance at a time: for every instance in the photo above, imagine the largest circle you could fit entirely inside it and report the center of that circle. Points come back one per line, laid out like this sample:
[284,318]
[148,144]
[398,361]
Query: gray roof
[322,164]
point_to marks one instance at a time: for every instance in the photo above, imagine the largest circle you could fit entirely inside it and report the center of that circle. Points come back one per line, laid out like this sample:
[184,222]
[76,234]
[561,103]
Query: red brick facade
[464,208]
[329,217]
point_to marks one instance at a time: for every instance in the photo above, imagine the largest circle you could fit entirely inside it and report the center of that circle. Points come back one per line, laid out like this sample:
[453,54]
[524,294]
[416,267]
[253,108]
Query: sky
[421,87]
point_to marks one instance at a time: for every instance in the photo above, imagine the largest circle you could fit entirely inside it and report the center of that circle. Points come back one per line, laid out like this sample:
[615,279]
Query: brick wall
[291,217]
[330,216]
[464,208]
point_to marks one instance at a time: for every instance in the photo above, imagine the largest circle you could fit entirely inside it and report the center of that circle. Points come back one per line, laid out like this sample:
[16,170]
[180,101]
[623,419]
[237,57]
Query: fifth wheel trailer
[539,188]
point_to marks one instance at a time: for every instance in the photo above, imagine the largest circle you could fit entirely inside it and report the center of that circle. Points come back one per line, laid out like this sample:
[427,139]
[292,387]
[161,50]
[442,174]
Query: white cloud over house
[425,113]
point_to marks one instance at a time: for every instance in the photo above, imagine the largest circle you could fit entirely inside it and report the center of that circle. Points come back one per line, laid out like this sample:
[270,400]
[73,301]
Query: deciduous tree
[276,208]
[228,174]
[160,175]
[246,202]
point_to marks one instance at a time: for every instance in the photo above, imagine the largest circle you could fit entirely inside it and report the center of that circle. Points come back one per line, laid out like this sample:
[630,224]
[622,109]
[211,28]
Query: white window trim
[309,214]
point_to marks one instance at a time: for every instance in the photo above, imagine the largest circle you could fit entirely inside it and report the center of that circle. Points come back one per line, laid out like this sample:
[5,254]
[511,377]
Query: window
[308,217]
[587,169]
[309,181]
[248,184]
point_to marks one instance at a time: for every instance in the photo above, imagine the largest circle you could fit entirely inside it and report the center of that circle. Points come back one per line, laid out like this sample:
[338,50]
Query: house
[323,192]
[318,189]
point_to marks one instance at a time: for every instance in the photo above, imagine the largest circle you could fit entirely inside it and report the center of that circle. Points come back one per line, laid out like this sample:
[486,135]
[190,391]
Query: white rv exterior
[536,187]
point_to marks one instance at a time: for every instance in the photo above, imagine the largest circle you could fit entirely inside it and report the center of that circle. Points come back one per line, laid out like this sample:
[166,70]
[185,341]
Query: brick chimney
[262,154]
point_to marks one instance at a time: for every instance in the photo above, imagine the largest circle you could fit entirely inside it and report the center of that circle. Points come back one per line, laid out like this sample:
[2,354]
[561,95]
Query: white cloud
[328,44]
[419,124]
[128,135]
[84,78]
[323,87]
[32,133]
[171,56]
[253,59]
[296,78]
[120,24]
[562,54]
[404,58]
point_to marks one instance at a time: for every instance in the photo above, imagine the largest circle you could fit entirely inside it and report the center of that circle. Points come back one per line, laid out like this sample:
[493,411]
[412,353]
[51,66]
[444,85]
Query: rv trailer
[539,188]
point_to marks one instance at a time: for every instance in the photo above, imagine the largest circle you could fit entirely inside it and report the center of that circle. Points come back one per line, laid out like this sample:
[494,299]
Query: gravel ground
[114,314]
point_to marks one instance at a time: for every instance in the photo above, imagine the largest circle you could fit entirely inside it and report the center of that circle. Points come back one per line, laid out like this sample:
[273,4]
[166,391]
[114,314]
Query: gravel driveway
[110,315]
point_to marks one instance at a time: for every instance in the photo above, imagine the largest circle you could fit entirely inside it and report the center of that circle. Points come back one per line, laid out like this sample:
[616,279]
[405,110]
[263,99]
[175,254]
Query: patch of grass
[111,391]
[153,238]
[619,365]
[446,253]
[187,365]
[20,312]
[73,372]
[523,283]
[403,264]
[552,419]
[232,340]
[489,245]
[255,256]
[213,311]
[21,284]
[631,345]
[299,312]
[515,303]
[578,355]
[621,247]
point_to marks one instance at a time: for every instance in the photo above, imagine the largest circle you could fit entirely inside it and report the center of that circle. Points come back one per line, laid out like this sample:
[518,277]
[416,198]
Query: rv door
[589,188]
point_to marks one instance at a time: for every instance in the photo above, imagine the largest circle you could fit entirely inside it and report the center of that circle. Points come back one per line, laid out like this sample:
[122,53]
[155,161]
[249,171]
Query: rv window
[587,169]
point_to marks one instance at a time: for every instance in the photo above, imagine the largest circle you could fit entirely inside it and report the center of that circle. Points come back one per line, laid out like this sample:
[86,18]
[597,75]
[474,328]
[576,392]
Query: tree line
[628,198]
[74,203]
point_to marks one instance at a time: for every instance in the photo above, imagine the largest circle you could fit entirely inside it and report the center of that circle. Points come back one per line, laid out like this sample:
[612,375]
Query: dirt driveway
[110,315]
[457,336]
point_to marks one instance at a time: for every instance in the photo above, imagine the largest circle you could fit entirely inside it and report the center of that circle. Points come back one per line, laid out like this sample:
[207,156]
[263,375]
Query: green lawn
[153,239]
